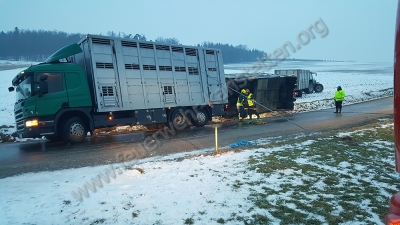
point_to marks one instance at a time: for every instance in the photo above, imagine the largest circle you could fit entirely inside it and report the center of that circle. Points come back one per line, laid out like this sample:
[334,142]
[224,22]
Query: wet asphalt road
[18,158]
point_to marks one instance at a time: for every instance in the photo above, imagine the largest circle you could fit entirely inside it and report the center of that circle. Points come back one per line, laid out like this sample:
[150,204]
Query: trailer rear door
[213,72]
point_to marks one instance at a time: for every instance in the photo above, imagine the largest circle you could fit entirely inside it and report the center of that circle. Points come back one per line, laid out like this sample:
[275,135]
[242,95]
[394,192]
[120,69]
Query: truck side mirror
[10,89]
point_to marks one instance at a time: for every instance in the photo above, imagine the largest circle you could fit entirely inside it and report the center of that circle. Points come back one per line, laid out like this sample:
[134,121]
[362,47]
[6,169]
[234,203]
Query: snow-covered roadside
[318,104]
[200,189]
[168,191]
[7,100]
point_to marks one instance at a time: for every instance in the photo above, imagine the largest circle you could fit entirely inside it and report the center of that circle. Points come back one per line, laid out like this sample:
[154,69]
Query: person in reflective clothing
[241,102]
[339,98]
[251,105]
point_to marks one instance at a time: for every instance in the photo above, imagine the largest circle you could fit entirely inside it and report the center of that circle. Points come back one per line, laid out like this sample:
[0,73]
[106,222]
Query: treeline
[37,45]
[235,54]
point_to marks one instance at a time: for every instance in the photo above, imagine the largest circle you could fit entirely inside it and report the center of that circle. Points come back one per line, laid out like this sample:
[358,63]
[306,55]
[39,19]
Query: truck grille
[20,126]
[18,114]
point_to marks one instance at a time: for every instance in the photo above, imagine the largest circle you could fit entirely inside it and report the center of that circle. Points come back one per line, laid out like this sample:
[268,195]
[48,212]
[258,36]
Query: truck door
[56,98]
[213,76]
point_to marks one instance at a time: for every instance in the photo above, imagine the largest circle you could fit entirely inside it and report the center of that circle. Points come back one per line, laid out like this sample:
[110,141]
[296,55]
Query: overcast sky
[361,30]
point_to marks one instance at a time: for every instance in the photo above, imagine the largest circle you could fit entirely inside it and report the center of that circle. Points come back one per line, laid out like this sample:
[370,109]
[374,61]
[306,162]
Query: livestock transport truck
[105,81]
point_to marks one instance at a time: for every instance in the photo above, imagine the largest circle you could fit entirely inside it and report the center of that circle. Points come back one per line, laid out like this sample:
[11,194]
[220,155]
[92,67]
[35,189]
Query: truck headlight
[31,123]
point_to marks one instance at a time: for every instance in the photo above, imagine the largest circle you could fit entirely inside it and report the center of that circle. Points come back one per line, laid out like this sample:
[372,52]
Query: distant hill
[37,45]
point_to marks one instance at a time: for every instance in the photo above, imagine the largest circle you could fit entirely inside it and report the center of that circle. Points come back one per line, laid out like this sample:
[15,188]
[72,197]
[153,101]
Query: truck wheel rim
[76,130]
[201,117]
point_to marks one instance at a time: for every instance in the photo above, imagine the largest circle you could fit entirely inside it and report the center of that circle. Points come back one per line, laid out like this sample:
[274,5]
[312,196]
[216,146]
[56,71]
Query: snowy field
[7,99]
[360,81]
[299,180]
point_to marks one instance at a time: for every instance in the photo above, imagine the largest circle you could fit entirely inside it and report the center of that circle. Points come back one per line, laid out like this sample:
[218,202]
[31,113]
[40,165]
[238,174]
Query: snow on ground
[177,189]
[168,191]
[7,100]
[10,63]
[8,71]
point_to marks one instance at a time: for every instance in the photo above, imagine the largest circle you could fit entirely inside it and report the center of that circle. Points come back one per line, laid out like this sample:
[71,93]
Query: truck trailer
[305,81]
[271,92]
[105,81]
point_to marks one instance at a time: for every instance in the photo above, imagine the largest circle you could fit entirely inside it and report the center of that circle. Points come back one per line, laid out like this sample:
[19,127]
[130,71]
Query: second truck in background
[305,81]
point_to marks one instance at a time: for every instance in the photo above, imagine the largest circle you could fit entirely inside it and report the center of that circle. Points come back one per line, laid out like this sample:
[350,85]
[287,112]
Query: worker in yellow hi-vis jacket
[241,102]
[339,98]
[251,105]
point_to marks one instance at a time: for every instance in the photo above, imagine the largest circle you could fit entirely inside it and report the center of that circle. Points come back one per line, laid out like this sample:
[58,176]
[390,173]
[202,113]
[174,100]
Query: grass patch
[189,221]
[99,221]
[67,202]
[135,214]
[344,177]
[221,221]
[135,168]
[7,137]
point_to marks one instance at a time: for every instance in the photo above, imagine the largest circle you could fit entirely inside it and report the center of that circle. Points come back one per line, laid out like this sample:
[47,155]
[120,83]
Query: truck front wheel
[74,130]
[318,88]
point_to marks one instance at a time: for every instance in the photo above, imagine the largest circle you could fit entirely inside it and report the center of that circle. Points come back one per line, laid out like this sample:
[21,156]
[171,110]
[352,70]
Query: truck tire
[310,88]
[74,130]
[178,119]
[318,88]
[201,118]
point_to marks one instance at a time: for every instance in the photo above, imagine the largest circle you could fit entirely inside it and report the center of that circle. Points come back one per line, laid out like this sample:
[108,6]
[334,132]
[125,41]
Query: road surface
[18,158]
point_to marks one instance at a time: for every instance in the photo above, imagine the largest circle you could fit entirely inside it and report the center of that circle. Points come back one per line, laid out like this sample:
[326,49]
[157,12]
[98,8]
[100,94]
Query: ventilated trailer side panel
[131,75]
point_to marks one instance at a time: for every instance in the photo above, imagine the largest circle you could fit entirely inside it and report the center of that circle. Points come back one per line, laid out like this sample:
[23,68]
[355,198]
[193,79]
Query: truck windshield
[24,89]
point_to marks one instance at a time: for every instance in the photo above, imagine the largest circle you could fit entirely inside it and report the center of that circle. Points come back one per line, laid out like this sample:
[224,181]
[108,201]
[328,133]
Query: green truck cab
[50,92]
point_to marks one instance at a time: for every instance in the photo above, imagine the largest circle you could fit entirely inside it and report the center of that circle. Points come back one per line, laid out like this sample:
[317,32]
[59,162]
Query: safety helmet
[243,91]
[339,87]
[247,91]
